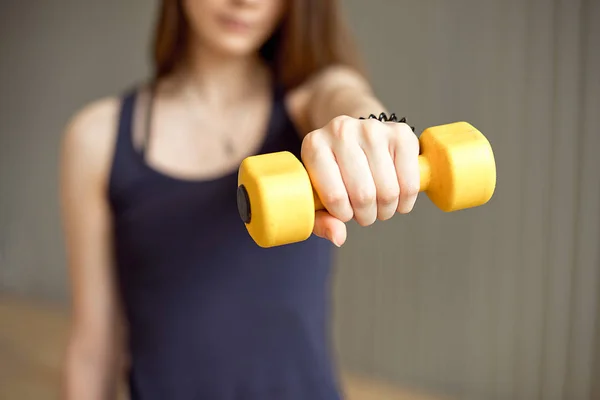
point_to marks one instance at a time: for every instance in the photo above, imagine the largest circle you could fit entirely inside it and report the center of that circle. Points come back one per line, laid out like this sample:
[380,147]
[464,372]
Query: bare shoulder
[89,136]
[92,128]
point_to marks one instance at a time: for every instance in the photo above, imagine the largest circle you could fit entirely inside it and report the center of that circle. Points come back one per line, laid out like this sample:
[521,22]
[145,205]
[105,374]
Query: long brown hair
[312,35]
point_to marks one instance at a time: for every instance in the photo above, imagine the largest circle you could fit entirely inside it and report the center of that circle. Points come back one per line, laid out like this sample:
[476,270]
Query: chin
[237,48]
[233,45]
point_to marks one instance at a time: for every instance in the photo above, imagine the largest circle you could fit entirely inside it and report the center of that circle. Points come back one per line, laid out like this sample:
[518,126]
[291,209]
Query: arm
[331,93]
[92,351]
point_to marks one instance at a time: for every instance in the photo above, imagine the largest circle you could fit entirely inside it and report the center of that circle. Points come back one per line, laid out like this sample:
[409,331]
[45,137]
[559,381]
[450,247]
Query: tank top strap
[124,162]
[125,123]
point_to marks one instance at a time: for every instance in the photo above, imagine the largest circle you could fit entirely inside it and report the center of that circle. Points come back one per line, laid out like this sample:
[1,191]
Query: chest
[194,144]
[179,179]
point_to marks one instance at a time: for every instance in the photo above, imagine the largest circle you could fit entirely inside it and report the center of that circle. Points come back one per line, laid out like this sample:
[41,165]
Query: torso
[211,315]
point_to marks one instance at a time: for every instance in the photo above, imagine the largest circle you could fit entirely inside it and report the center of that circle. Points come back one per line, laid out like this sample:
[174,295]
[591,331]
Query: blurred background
[498,302]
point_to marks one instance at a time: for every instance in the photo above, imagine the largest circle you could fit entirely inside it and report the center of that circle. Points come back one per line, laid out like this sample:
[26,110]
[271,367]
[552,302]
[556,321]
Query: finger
[383,170]
[406,160]
[360,186]
[330,228]
[326,177]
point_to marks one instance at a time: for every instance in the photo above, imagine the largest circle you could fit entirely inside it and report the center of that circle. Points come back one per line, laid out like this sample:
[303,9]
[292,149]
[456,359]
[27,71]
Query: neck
[222,79]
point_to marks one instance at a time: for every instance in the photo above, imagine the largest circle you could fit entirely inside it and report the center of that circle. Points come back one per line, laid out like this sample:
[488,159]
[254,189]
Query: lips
[235,24]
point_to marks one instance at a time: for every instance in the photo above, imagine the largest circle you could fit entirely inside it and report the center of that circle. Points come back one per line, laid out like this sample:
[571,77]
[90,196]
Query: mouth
[235,24]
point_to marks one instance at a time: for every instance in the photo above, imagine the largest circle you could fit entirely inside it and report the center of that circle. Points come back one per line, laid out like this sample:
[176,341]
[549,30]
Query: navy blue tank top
[211,315]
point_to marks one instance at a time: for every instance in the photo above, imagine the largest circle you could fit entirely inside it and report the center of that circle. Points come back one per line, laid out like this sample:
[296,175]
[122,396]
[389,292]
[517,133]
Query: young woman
[153,235]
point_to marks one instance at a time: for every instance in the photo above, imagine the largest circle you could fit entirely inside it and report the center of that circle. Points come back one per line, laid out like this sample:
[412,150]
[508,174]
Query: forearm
[89,374]
[351,101]
[342,92]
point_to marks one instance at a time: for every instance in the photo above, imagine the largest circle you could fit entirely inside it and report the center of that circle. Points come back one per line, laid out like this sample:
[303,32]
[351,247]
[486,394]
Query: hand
[362,169]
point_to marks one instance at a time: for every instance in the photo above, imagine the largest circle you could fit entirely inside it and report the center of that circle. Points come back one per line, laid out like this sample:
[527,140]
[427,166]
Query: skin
[364,170]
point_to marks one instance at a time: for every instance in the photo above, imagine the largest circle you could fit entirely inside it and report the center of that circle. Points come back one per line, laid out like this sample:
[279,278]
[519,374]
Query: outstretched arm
[362,169]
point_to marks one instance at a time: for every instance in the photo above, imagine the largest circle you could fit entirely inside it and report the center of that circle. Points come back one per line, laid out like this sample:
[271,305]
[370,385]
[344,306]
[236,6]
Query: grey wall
[55,57]
[499,302]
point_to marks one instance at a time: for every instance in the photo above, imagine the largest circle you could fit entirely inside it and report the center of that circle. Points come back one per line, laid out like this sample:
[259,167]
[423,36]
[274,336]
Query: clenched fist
[362,169]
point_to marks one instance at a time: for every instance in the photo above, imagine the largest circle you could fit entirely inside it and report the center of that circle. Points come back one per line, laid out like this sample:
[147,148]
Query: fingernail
[331,238]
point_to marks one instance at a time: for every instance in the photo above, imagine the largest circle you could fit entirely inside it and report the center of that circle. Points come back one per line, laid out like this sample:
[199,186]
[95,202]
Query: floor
[32,336]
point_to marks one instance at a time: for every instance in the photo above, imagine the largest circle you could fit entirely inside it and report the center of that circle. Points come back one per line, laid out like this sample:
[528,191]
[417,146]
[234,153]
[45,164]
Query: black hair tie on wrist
[392,118]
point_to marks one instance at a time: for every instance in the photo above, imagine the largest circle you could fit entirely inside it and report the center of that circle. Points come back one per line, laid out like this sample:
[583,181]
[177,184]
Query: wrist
[383,117]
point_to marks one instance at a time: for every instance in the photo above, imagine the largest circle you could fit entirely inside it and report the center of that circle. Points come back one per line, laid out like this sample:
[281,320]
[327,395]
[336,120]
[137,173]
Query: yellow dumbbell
[277,202]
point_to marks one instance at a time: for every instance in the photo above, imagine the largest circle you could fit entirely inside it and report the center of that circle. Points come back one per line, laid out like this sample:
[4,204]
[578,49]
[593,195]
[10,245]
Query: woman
[149,204]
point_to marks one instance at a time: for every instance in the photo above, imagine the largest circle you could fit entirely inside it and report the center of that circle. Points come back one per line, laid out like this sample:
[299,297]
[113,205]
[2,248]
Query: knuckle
[313,140]
[335,199]
[363,198]
[371,133]
[408,138]
[338,126]
[404,132]
[410,189]
[388,196]
[313,144]
[338,205]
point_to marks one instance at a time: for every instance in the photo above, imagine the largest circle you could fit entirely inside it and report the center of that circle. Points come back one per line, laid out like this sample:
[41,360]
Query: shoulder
[321,84]
[89,136]
[92,125]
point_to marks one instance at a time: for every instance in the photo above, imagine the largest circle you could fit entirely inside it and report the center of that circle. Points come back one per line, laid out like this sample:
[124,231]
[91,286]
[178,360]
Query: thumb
[330,228]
